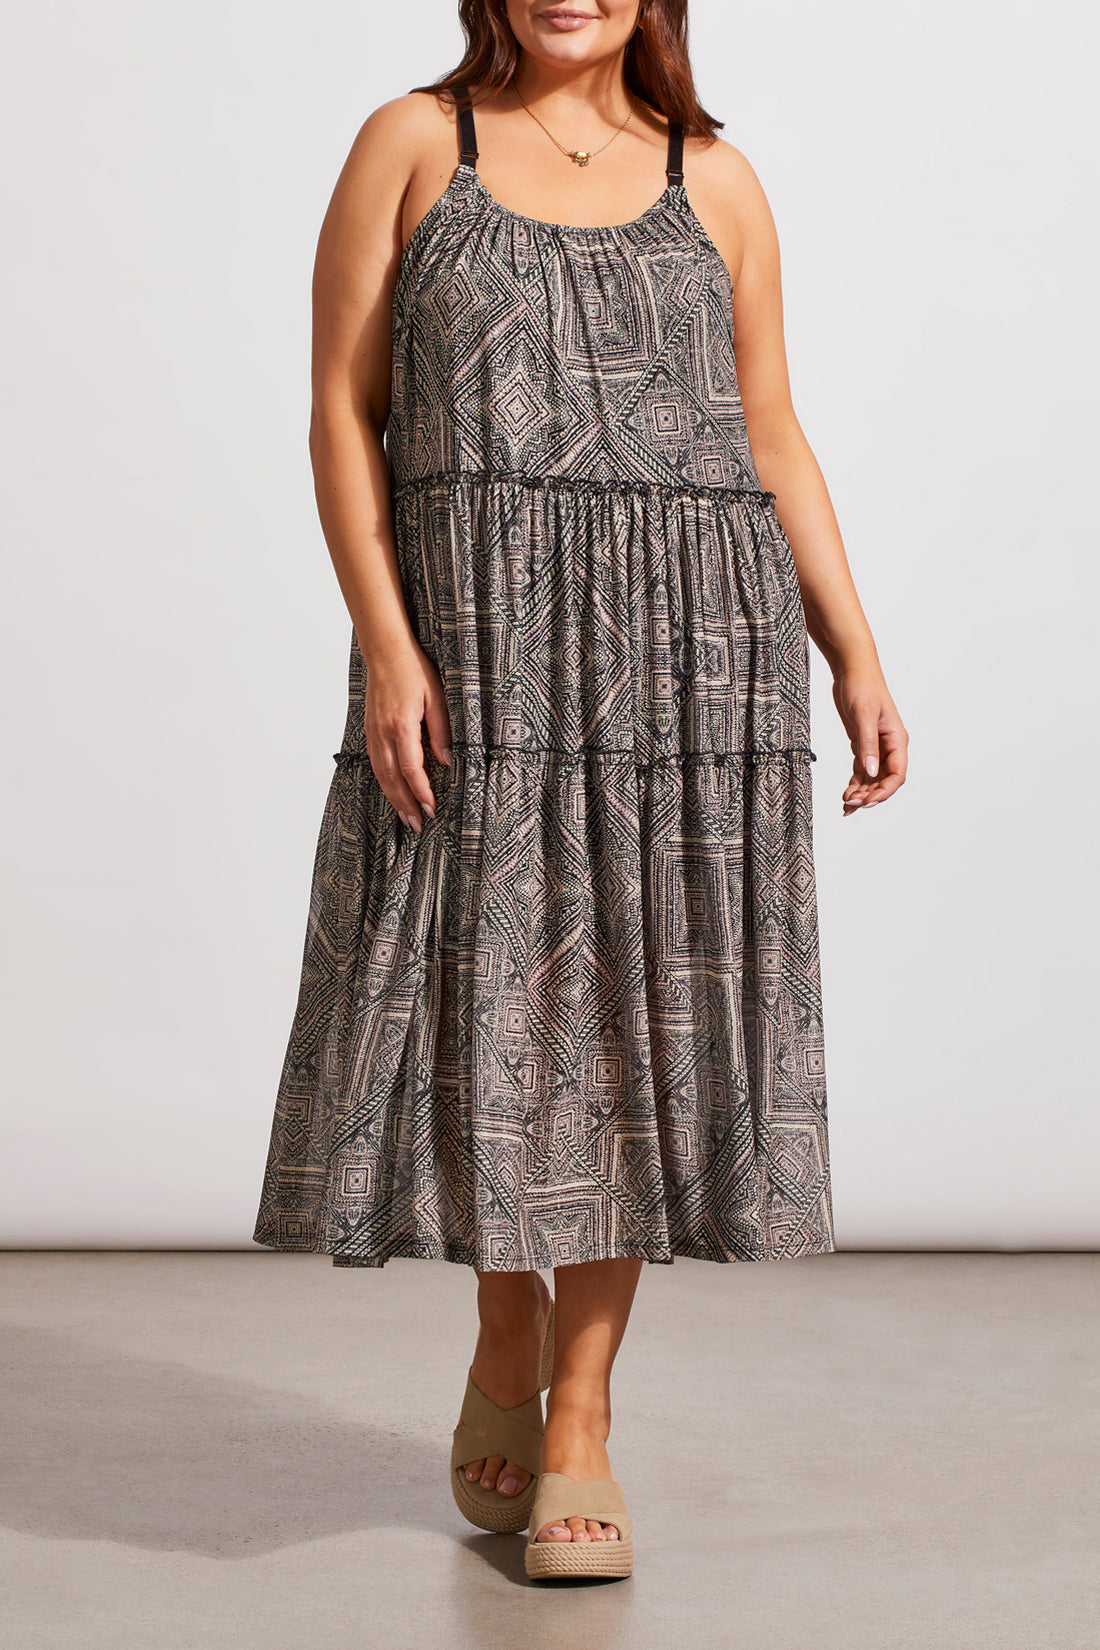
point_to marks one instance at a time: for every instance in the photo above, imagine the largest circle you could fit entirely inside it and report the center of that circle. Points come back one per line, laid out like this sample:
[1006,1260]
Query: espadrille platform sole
[558,1498]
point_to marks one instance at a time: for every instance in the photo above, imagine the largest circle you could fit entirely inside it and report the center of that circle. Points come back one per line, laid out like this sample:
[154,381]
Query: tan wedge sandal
[484,1429]
[558,1498]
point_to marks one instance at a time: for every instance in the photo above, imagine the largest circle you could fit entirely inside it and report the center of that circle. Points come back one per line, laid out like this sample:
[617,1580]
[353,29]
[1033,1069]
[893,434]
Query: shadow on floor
[100,1447]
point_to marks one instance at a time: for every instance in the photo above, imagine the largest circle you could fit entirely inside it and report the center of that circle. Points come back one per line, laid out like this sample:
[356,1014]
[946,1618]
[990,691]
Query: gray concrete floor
[848,1452]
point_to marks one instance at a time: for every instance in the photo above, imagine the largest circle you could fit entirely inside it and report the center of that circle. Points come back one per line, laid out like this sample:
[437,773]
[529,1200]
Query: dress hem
[466,1257]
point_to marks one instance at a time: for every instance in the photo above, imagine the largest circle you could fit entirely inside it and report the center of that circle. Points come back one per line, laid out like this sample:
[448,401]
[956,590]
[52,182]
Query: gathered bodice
[539,349]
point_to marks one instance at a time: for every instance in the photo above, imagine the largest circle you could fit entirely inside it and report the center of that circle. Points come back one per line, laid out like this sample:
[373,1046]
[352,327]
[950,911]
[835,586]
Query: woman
[560,999]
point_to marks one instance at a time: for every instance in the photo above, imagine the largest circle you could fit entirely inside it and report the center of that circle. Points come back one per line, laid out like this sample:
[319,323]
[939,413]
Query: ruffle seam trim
[349,759]
[580,484]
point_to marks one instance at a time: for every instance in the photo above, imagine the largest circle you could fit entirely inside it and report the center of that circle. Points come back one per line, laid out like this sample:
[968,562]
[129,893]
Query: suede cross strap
[558,1498]
[484,1429]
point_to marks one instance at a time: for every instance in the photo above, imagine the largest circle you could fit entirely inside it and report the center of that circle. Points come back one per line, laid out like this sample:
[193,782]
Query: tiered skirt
[577,1016]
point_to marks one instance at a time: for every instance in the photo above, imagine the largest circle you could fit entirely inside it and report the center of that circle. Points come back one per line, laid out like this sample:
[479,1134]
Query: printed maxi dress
[579,1015]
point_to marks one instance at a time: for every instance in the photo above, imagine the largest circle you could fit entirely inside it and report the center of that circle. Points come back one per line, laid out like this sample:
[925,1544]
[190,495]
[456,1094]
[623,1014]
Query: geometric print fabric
[579,1015]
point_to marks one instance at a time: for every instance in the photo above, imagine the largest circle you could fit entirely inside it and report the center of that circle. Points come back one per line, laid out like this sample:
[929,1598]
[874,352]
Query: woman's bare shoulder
[729,180]
[397,134]
[389,150]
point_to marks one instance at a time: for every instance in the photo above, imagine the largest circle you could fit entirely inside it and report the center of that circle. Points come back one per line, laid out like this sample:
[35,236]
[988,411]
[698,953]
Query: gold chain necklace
[580,156]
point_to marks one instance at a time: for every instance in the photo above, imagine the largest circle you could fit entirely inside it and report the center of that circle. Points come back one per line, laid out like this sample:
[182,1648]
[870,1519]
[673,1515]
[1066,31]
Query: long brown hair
[656,65]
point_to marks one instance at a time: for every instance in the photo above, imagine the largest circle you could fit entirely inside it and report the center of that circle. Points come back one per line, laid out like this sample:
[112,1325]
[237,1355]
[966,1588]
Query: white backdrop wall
[175,645]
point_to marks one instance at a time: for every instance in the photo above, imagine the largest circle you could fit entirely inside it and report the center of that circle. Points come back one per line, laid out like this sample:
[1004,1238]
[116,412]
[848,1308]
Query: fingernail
[507,1486]
[872,765]
[428,809]
[445,754]
[402,817]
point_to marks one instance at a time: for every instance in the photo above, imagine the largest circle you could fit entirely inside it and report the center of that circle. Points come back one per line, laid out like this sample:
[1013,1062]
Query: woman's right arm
[358,256]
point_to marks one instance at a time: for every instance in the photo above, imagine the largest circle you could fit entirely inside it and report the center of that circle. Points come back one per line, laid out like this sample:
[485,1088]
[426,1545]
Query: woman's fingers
[402,693]
[410,760]
[891,778]
[387,770]
[878,737]
[439,727]
[866,746]
[879,768]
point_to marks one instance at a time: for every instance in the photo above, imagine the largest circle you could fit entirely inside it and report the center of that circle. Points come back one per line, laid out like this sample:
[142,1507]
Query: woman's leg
[513,1309]
[592,1306]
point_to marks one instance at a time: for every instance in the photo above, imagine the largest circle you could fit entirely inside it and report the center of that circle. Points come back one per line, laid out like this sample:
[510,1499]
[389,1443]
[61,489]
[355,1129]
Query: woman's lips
[565,20]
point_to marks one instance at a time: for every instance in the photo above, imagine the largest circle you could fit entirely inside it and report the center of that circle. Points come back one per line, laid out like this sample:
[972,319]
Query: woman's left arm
[787,467]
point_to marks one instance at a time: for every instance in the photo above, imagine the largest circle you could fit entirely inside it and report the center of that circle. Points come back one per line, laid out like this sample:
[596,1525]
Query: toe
[579,1527]
[595,1529]
[513,1480]
[473,1470]
[490,1470]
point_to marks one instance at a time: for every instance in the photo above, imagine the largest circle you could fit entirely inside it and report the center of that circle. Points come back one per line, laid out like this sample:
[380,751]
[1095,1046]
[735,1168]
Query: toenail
[557,1529]
[508,1486]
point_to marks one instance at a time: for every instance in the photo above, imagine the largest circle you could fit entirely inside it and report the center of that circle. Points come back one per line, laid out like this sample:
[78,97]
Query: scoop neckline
[567,228]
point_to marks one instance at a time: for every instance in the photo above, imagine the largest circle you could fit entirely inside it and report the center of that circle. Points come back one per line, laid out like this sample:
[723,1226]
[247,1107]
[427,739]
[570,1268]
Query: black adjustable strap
[674,171]
[466,133]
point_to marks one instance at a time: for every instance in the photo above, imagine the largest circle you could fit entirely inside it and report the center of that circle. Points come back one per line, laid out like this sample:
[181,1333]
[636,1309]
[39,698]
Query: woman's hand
[403,690]
[880,743]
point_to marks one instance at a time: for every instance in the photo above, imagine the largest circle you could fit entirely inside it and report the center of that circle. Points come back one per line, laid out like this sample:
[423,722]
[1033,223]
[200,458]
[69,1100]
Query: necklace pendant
[581,156]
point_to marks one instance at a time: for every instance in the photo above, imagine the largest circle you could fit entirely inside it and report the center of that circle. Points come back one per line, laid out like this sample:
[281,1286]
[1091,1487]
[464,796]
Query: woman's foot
[575,1443]
[514,1309]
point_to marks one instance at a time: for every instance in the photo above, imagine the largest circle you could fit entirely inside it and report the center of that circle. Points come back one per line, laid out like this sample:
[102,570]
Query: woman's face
[572,31]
